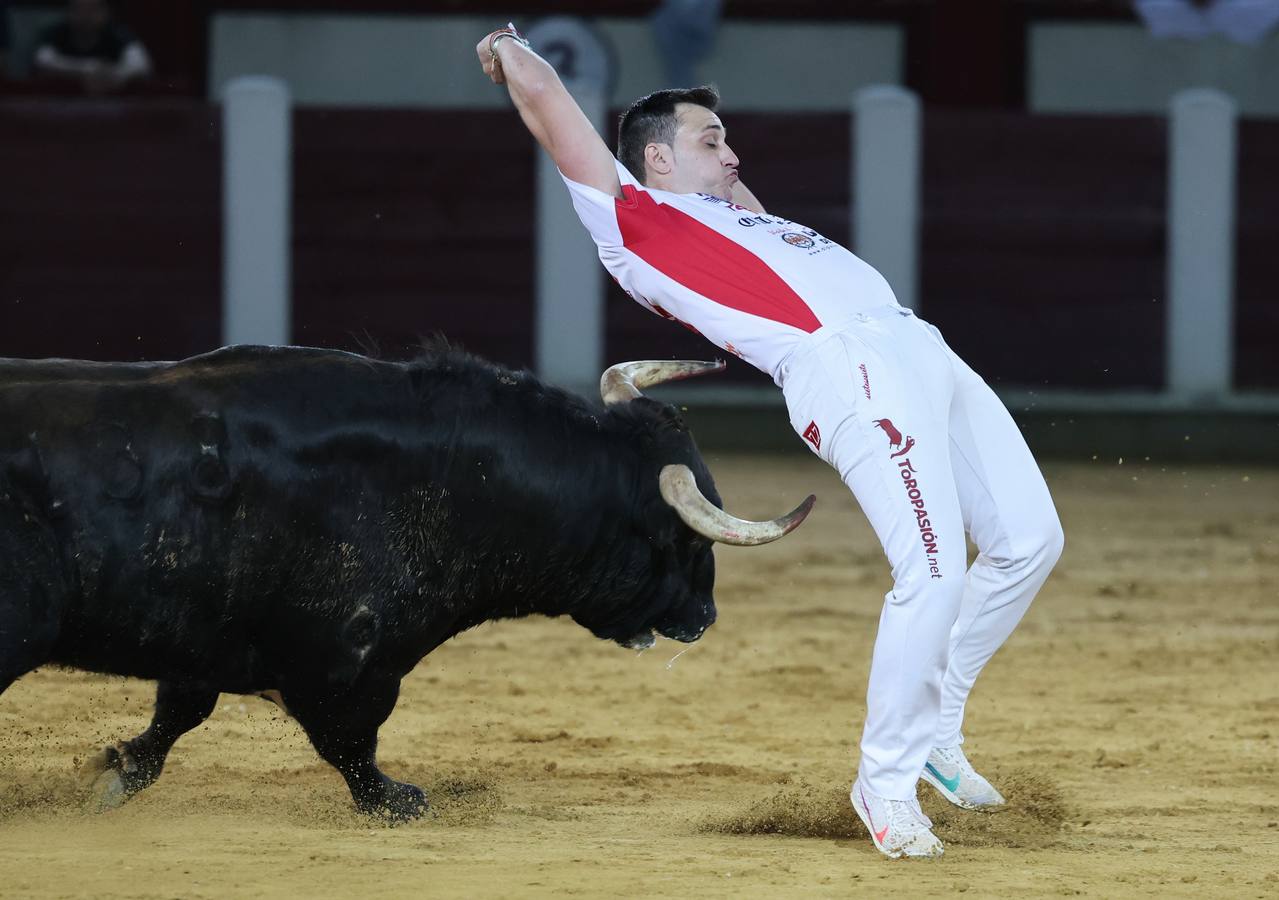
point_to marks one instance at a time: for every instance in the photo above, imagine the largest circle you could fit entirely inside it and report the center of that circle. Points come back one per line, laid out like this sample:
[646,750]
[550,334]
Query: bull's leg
[343,728]
[128,767]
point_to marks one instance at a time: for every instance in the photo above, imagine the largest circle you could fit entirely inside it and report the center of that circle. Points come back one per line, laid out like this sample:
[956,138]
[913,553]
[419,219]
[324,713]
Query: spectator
[685,34]
[91,48]
[1242,21]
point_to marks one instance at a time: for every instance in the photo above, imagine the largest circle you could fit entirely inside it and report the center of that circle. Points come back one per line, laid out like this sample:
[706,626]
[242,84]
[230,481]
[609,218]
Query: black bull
[310,524]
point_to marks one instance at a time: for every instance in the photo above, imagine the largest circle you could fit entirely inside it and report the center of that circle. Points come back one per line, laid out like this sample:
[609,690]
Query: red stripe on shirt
[706,262]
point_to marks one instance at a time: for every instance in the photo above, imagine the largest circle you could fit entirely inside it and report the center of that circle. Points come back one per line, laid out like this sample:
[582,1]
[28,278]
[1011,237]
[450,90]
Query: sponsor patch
[795,239]
[813,435]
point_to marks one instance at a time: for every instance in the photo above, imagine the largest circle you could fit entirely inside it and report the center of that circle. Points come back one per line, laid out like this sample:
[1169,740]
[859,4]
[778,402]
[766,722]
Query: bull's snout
[688,624]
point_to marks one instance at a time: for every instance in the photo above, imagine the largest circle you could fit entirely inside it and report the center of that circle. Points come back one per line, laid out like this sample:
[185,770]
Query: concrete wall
[1159,436]
[430,60]
[1120,68]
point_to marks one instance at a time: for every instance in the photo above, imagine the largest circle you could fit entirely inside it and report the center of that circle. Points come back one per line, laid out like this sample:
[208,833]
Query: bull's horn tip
[801,513]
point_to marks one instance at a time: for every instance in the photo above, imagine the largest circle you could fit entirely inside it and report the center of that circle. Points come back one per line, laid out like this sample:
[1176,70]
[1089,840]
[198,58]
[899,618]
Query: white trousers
[930,453]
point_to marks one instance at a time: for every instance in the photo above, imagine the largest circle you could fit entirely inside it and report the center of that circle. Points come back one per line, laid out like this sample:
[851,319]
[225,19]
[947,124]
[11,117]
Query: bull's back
[208,511]
[165,489]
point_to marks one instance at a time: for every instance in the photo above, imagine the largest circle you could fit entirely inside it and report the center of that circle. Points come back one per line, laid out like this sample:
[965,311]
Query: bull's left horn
[624,382]
[679,489]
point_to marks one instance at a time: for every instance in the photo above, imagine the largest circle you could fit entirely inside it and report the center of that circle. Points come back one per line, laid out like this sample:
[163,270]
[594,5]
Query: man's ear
[659,158]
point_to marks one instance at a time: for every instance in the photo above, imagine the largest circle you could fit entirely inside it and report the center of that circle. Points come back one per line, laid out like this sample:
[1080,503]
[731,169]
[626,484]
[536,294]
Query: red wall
[110,217]
[1042,246]
[1257,257]
[412,223]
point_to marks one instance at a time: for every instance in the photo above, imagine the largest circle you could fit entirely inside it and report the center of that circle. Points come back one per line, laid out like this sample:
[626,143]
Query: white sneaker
[949,771]
[898,827]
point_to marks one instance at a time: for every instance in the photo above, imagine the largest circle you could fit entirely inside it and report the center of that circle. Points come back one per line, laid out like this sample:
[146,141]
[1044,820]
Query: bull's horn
[624,382]
[679,489]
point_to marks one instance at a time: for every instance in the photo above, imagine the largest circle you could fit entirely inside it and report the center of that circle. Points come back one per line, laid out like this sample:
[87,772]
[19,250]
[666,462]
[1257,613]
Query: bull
[308,524]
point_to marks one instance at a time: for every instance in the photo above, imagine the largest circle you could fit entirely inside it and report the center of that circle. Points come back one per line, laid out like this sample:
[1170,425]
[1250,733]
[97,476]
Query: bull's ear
[665,416]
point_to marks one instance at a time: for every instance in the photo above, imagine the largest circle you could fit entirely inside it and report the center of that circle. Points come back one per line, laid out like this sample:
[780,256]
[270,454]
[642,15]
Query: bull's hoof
[110,775]
[399,803]
[107,792]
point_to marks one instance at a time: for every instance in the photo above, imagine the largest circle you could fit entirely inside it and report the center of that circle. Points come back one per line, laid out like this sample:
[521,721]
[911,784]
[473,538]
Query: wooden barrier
[1043,246]
[1256,258]
[109,229]
[409,224]
[1042,238]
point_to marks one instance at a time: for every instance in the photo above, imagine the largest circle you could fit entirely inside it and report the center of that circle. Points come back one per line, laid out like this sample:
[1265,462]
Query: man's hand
[491,65]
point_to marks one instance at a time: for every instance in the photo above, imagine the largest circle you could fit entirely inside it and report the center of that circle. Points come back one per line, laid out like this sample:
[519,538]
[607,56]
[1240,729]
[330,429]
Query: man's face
[87,15]
[702,160]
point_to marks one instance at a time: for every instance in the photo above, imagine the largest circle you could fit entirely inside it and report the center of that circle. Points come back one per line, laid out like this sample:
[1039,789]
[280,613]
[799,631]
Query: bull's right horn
[679,489]
[625,381]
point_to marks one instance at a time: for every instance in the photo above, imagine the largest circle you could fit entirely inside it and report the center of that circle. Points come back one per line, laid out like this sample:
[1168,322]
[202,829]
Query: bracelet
[508,32]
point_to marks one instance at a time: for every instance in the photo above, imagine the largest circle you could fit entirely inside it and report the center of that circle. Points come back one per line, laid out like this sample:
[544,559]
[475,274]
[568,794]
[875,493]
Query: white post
[570,283]
[1201,243]
[886,157]
[255,211]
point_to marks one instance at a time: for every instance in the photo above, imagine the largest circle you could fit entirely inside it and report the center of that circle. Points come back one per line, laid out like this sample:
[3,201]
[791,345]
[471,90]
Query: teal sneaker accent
[952,784]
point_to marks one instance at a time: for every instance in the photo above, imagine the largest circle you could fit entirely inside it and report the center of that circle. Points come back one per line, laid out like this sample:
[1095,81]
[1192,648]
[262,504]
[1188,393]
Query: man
[91,48]
[926,447]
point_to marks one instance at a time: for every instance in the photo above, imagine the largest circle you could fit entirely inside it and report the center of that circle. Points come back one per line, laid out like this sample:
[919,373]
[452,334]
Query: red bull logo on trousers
[895,437]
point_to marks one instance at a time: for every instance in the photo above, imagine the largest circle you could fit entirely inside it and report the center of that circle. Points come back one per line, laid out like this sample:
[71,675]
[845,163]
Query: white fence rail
[256,178]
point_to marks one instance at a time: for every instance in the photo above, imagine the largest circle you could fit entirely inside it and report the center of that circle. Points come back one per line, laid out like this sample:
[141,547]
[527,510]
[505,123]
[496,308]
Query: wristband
[508,32]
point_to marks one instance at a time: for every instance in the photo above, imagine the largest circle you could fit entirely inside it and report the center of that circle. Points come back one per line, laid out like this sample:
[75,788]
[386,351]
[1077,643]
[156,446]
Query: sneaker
[898,827]
[949,771]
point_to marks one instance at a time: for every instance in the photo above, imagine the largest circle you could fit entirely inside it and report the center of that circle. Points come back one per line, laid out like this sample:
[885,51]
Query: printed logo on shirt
[792,232]
[813,435]
[752,221]
[865,380]
[895,437]
[804,238]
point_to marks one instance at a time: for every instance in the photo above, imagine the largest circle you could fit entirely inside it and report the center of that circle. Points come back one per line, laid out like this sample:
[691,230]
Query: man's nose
[729,157]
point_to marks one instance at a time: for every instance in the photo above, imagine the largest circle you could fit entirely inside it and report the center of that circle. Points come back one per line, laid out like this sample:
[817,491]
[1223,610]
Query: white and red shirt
[753,284]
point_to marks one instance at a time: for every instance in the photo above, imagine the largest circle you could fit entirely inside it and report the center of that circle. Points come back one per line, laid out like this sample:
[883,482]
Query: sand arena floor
[1133,721]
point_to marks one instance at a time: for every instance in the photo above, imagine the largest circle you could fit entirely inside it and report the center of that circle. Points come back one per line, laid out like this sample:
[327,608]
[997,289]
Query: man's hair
[651,120]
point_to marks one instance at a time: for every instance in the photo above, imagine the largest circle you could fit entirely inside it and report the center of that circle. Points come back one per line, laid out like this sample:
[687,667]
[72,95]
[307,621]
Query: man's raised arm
[549,112]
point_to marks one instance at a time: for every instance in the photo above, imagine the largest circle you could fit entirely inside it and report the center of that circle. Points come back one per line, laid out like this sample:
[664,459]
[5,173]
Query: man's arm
[98,75]
[49,61]
[550,113]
